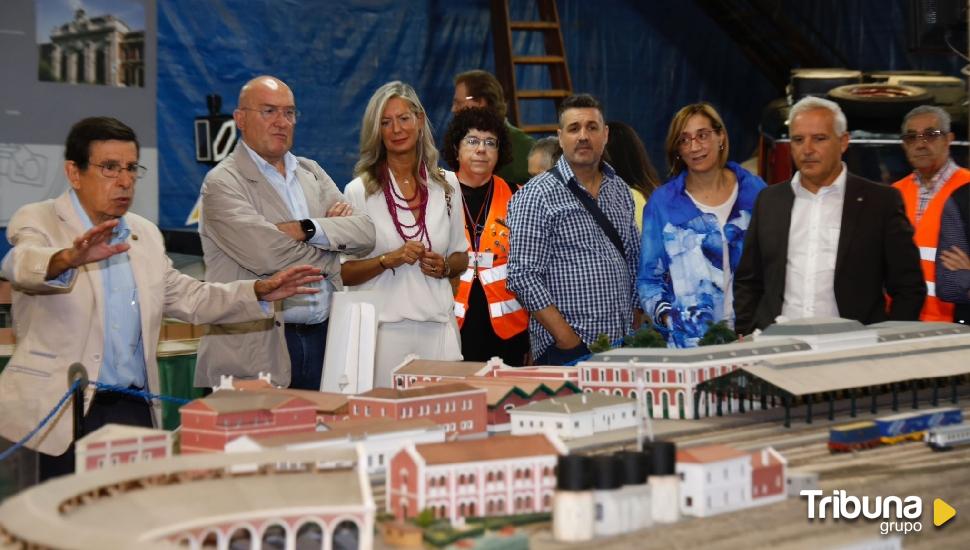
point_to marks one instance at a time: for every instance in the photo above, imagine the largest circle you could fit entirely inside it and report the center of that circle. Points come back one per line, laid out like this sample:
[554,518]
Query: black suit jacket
[876,256]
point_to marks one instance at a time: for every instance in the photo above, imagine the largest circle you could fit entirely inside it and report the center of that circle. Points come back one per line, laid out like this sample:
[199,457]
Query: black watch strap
[309,229]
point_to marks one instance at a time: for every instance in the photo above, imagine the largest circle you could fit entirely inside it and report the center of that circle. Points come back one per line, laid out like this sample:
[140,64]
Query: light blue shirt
[123,363]
[303,308]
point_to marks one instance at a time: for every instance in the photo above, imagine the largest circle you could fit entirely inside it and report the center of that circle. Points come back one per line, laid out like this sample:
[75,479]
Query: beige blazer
[240,210]
[59,326]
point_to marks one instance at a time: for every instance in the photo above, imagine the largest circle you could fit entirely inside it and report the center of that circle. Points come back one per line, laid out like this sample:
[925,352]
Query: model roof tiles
[228,401]
[500,447]
[353,428]
[686,356]
[580,402]
[499,388]
[709,454]
[116,432]
[424,367]
[421,391]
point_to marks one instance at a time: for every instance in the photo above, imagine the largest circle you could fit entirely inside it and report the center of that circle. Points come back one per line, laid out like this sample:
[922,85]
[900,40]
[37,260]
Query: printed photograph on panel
[100,42]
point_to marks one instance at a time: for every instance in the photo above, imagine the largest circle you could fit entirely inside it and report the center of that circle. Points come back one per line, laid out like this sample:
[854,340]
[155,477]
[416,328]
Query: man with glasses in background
[926,139]
[91,284]
[264,209]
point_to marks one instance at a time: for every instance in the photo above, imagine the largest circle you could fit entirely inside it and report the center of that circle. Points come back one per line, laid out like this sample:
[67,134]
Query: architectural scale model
[498,476]
[278,499]
[579,415]
[380,439]
[331,407]
[210,422]
[687,383]
[460,408]
[115,444]
[414,370]
[716,479]
[507,394]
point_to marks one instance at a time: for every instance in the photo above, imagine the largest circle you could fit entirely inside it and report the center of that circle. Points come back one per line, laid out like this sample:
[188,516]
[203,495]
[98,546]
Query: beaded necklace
[417,231]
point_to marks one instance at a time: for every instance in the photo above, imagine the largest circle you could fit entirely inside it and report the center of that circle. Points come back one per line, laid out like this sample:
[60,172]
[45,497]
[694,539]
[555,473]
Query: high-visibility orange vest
[489,265]
[928,236]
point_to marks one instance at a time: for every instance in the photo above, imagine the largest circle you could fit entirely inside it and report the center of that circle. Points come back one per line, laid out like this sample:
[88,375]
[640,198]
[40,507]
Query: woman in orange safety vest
[493,323]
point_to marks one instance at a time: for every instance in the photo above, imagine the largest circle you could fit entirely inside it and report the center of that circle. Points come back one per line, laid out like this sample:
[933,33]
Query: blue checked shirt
[560,256]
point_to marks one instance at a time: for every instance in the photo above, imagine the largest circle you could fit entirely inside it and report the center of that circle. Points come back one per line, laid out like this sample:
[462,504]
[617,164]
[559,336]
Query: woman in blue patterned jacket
[693,229]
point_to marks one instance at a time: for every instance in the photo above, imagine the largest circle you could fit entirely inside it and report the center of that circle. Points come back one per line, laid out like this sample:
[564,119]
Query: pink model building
[507,394]
[768,473]
[414,371]
[501,475]
[211,422]
[119,444]
[460,408]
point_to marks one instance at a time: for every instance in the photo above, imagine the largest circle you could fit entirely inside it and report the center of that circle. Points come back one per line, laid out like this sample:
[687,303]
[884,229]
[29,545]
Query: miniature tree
[718,333]
[646,337]
[425,518]
[601,344]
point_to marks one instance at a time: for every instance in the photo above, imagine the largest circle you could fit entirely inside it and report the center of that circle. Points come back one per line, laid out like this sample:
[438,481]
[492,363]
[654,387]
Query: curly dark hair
[481,119]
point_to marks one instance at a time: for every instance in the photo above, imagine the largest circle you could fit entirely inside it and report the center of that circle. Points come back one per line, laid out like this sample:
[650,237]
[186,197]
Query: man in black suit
[826,243]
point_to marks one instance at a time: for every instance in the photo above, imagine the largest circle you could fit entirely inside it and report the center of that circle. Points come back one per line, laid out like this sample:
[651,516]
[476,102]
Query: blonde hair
[373,153]
[674,162]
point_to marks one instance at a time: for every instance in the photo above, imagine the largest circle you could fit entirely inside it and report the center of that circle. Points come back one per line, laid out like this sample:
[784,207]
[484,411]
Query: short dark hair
[482,84]
[579,101]
[480,119]
[77,149]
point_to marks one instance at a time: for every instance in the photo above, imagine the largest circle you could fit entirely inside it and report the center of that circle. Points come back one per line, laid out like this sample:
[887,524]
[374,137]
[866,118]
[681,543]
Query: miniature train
[944,438]
[893,429]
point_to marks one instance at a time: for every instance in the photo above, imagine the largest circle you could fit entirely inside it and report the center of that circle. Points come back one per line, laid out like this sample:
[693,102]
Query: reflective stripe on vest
[927,236]
[499,309]
[459,310]
[468,275]
[489,276]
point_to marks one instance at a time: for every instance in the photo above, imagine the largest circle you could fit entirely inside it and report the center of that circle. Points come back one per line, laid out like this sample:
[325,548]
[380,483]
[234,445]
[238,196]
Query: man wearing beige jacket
[264,209]
[91,284]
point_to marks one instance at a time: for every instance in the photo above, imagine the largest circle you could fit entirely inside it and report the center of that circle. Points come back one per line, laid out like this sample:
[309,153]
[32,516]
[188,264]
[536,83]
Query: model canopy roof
[739,351]
[815,326]
[423,391]
[856,368]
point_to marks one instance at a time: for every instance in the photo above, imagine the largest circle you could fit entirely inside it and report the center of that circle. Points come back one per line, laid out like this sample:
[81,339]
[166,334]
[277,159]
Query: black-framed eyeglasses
[269,113]
[928,136]
[474,142]
[113,169]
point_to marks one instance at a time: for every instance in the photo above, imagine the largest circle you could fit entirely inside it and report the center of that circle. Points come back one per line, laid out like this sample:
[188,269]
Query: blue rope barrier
[139,393]
[6,454]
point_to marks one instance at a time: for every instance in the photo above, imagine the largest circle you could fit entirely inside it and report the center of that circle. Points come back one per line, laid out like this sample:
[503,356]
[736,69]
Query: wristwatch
[309,229]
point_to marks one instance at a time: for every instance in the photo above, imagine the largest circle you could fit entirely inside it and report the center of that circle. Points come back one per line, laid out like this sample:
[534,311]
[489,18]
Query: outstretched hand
[288,282]
[92,246]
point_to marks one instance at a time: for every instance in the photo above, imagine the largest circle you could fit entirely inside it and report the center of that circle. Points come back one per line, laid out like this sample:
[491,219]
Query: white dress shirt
[813,240]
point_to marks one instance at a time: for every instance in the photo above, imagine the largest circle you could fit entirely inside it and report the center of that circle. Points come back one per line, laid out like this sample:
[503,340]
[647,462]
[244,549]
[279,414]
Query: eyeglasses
[474,142]
[703,136]
[269,113]
[928,136]
[113,170]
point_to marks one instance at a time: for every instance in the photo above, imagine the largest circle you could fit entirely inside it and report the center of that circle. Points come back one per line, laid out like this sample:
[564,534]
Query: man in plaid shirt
[565,267]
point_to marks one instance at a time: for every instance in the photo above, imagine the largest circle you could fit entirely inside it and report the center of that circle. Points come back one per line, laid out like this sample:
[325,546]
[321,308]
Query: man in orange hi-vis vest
[926,139]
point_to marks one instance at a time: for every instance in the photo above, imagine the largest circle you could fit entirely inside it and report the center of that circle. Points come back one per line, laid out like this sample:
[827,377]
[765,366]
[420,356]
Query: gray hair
[941,115]
[548,145]
[810,103]
[372,150]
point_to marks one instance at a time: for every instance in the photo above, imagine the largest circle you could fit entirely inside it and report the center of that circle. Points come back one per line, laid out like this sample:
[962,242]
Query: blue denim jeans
[306,345]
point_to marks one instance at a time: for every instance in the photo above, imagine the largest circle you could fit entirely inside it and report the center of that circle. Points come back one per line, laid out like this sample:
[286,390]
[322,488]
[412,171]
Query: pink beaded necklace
[418,231]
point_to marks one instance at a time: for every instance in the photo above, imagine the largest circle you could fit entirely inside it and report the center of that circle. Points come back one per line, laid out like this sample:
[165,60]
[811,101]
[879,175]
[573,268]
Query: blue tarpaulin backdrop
[644,60]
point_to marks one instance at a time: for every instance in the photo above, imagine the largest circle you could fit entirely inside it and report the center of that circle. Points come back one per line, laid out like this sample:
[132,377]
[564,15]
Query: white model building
[115,444]
[381,438]
[572,416]
[666,379]
[716,479]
